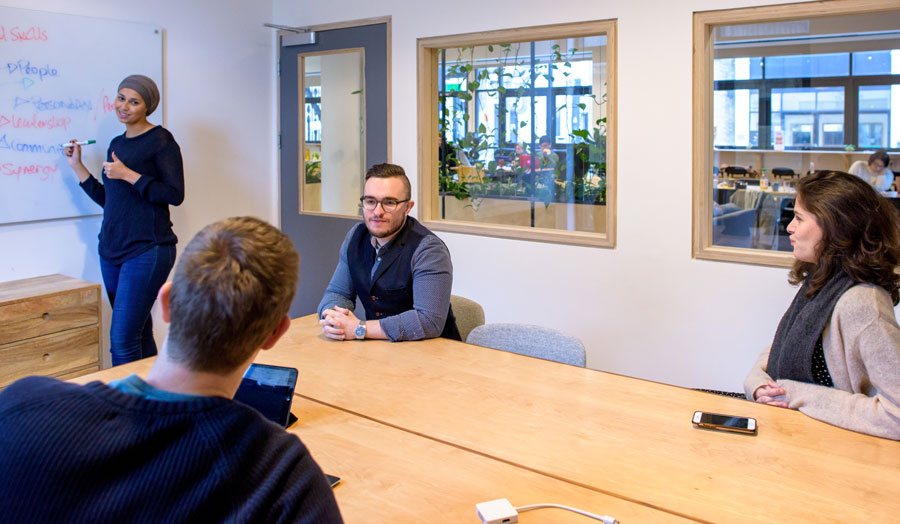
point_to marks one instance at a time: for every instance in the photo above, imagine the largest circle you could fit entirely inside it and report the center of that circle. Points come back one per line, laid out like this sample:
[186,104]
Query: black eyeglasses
[388,204]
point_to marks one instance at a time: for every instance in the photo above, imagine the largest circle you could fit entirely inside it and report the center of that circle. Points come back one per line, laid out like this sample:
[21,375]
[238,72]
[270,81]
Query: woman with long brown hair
[836,352]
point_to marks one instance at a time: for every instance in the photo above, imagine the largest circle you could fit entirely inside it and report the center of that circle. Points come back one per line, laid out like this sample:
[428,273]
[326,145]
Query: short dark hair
[390,171]
[232,286]
[860,233]
[882,155]
[545,138]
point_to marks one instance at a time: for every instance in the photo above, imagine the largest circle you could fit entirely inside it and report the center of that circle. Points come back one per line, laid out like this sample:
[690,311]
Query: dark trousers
[132,288]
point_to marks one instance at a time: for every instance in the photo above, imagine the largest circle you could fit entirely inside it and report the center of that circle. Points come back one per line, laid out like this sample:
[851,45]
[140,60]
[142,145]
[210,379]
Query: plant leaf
[582,133]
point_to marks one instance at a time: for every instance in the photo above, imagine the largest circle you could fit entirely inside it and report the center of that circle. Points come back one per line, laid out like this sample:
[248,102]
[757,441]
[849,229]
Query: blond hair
[232,286]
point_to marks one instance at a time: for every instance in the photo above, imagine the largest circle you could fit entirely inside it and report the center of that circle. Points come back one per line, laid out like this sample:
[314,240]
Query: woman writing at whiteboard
[142,177]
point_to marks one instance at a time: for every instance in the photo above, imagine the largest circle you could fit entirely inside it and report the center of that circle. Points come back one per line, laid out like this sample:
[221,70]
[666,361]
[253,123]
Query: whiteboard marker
[82,143]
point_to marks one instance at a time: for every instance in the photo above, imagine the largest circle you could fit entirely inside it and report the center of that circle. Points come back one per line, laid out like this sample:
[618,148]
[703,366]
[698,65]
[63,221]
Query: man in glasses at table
[400,270]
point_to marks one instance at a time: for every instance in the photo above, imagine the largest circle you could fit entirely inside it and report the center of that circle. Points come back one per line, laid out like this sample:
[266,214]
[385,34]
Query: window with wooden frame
[517,133]
[780,92]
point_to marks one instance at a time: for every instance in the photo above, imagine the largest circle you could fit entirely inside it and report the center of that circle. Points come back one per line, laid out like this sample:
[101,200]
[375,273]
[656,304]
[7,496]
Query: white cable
[605,519]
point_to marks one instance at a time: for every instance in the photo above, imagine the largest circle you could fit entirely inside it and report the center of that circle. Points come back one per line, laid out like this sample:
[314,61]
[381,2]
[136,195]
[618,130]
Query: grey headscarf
[145,87]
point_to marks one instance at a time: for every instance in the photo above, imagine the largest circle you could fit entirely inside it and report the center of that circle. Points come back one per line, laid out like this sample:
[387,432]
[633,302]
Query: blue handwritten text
[42,104]
[13,144]
[24,67]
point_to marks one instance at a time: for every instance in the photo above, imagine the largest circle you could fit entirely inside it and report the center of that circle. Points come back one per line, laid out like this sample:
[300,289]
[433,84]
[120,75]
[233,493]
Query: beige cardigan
[862,351]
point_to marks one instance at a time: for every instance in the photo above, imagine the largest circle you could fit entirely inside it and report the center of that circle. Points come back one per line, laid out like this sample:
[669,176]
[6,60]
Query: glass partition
[522,131]
[797,91]
[332,151]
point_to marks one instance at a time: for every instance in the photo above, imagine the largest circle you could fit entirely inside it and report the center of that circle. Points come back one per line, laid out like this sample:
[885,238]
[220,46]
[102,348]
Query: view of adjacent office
[790,95]
[521,126]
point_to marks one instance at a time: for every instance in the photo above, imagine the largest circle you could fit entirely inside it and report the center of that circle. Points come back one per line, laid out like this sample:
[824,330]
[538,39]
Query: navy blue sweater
[136,218]
[94,454]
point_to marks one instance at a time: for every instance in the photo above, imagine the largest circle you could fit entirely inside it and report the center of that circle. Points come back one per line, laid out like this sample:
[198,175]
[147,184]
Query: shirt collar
[384,246]
[387,244]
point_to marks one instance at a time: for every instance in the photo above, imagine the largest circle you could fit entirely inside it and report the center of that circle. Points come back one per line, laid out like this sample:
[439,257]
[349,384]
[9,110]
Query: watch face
[360,332]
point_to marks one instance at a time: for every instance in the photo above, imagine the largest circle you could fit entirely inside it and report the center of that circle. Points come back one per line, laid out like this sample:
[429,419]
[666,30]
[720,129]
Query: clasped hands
[339,323]
[768,393]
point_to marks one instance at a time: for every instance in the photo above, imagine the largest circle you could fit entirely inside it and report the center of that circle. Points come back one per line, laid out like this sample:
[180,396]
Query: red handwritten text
[23,34]
[43,171]
[108,106]
[104,104]
[34,122]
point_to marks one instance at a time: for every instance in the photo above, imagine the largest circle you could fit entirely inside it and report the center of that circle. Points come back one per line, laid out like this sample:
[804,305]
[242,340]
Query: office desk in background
[619,438]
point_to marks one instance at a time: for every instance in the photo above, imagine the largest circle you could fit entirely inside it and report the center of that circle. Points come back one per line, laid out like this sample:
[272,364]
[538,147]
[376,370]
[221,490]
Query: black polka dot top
[820,373]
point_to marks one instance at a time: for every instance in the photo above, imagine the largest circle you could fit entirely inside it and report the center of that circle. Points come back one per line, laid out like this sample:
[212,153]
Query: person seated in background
[174,447]
[875,171]
[400,270]
[836,352]
[547,159]
[520,157]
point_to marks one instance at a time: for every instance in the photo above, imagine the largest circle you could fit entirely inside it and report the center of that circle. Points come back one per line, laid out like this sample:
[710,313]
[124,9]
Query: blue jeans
[132,287]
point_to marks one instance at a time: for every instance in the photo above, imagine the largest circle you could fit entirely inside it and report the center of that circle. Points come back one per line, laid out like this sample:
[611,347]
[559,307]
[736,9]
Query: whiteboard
[58,81]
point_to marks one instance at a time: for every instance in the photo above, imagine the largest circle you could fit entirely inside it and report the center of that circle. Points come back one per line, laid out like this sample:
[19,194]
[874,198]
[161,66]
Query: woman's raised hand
[73,153]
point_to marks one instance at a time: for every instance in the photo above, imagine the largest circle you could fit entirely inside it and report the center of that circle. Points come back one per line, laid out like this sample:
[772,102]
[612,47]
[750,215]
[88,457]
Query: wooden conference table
[421,431]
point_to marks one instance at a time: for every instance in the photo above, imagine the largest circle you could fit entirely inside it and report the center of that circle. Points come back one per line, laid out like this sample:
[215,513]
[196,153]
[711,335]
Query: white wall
[644,308]
[219,94]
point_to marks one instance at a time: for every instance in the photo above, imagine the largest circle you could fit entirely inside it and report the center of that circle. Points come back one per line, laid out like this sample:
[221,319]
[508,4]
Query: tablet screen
[269,390]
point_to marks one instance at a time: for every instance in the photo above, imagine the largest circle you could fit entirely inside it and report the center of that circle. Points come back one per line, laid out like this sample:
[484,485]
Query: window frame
[705,23]
[428,55]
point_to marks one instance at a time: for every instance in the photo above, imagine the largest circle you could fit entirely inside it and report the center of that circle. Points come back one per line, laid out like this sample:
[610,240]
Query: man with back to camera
[400,270]
[174,447]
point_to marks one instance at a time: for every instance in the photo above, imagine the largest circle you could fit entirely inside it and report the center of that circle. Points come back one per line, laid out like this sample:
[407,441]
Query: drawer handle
[46,357]
[46,316]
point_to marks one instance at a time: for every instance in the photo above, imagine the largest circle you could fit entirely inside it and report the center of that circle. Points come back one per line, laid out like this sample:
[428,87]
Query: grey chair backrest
[469,314]
[534,341]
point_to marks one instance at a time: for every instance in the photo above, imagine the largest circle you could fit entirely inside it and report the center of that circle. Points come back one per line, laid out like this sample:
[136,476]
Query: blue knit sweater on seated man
[92,453]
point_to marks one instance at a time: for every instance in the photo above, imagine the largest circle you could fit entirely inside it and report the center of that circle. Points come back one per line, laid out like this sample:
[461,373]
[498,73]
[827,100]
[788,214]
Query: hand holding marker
[80,143]
[72,151]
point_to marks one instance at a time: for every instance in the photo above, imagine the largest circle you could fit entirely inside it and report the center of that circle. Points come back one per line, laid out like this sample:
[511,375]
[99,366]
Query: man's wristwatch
[361,330]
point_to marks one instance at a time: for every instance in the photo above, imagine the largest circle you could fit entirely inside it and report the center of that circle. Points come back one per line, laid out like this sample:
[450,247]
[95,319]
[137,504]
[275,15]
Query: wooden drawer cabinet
[49,326]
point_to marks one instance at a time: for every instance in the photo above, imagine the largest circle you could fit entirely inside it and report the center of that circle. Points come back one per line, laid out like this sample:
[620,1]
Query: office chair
[533,341]
[469,314]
